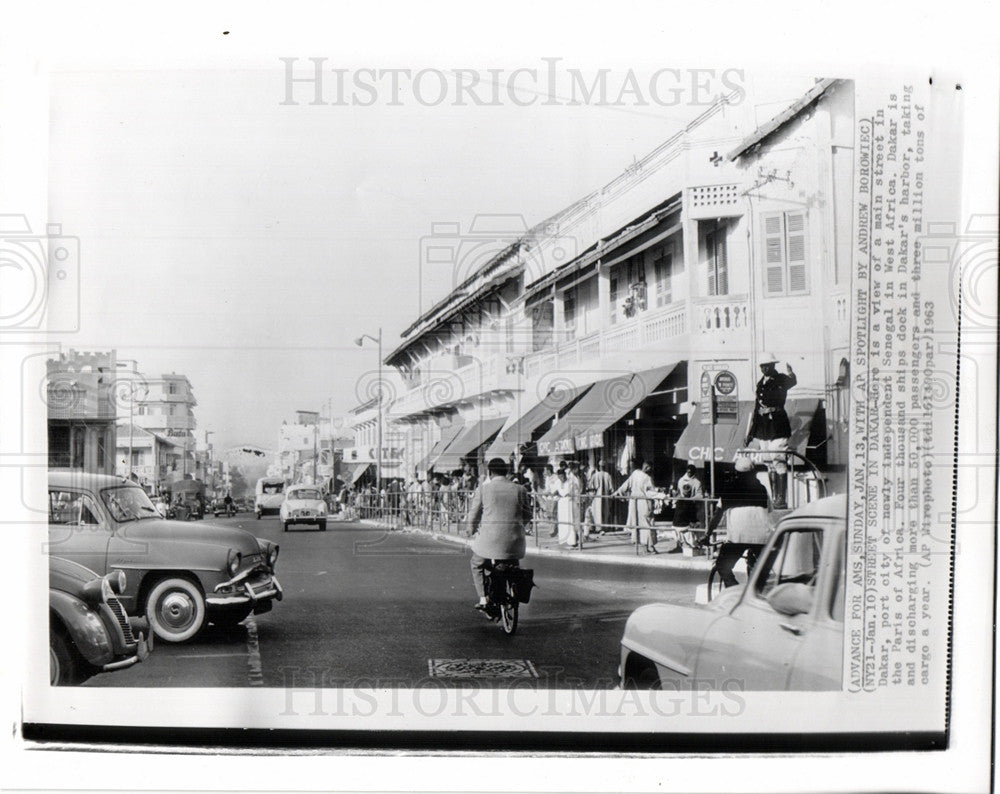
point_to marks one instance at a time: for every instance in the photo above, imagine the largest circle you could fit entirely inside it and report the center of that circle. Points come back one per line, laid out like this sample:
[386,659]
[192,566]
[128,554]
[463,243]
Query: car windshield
[305,493]
[128,503]
[272,489]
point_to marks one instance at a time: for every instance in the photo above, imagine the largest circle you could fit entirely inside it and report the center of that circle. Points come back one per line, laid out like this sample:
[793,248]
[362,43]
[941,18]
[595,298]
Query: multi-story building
[165,407]
[599,332]
[80,396]
[145,456]
[361,458]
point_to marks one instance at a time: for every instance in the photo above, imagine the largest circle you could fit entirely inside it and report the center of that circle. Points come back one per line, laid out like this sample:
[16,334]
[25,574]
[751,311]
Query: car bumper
[249,587]
[143,648]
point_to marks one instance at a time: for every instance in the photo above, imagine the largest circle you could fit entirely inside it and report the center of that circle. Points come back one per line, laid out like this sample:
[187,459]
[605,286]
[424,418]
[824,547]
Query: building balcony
[442,389]
[720,324]
[155,422]
[651,328]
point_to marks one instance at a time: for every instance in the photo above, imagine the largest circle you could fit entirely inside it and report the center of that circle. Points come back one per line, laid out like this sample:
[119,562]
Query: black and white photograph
[365,396]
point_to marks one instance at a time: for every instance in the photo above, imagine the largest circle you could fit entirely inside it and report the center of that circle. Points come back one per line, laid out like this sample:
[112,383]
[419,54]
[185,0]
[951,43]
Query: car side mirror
[792,598]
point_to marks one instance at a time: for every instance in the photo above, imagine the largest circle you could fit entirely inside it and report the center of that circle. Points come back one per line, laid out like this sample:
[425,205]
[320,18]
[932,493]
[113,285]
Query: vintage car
[304,504]
[89,630]
[180,575]
[781,630]
[269,496]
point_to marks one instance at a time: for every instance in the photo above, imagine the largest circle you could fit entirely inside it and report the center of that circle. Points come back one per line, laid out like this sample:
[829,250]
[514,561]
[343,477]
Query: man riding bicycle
[499,510]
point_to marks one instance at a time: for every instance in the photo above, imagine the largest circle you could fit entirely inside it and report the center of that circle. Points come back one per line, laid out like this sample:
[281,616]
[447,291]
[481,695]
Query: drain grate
[481,668]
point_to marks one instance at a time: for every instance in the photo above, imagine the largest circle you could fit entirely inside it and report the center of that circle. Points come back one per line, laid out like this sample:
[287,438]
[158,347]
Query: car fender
[84,626]
[668,635]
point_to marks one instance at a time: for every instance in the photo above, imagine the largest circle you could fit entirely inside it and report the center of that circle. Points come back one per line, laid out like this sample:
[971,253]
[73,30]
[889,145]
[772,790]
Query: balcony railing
[649,328]
[444,387]
[721,315]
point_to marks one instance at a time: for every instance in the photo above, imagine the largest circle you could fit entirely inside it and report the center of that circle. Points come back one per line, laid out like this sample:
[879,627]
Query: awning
[695,442]
[583,426]
[519,430]
[360,471]
[448,434]
[468,442]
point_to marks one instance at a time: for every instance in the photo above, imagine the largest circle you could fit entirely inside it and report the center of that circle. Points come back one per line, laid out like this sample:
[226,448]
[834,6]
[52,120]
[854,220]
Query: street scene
[607,449]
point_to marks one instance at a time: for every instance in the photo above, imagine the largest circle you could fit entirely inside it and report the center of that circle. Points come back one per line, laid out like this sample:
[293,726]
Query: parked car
[179,575]
[782,630]
[304,504]
[89,630]
[270,495]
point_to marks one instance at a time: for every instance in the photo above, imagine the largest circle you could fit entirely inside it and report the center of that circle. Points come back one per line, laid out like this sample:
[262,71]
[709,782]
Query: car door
[756,644]
[77,529]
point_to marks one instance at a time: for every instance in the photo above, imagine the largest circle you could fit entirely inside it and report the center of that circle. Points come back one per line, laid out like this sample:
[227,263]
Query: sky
[246,243]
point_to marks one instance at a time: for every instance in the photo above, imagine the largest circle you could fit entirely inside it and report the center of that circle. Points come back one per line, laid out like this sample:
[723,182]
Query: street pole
[315,450]
[378,473]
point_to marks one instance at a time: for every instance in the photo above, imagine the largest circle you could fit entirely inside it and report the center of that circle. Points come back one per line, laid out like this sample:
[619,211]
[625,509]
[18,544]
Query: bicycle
[507,586]
[715,584]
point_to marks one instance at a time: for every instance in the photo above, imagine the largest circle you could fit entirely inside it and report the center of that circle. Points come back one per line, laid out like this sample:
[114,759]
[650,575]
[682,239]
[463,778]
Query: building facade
[80,397]
[599,333]
[164,406]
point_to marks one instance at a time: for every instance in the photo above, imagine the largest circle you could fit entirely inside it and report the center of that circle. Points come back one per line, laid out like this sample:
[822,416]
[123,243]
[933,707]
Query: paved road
[365,606]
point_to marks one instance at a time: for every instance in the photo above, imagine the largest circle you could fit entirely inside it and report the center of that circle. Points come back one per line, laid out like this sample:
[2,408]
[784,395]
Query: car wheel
[175,609]
[641,673]
[258,515]
[66,667]
[321,525]
[284,526]
[229,615]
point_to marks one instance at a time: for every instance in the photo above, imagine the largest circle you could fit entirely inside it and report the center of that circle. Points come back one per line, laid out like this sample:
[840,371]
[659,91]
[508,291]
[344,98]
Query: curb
[661,561]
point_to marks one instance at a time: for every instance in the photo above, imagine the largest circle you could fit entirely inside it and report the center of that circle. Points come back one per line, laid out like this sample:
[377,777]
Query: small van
[270,495]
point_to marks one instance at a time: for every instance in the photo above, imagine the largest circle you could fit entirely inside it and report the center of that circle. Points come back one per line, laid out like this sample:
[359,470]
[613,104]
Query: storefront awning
[468,442]
[448,434]
[519,430]
[695,442]
[607,401]
[360,471]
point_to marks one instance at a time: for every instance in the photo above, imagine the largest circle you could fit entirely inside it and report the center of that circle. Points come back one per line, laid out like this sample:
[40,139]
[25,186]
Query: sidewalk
[616,548]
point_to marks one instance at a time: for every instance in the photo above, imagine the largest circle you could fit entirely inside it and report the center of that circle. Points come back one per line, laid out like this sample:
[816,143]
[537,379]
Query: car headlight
[272,556]
[117,580]
[233,562]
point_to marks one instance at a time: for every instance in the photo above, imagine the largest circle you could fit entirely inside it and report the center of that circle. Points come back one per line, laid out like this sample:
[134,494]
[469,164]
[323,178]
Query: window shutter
[721,265]
[795,225]
[774,255]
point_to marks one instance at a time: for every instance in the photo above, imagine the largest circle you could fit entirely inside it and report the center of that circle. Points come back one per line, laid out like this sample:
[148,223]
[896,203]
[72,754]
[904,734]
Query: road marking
[481,668]
[255,674]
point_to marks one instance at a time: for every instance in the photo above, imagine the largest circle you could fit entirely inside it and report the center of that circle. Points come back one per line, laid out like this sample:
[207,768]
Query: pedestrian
[689,490]
[497,515]
[550,493]
[568,508]
[599,487]
[639,489]
[769,428]
[748,523]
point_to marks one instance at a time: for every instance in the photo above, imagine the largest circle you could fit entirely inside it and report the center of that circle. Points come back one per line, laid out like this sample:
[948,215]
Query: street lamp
[360,342]
[131,407]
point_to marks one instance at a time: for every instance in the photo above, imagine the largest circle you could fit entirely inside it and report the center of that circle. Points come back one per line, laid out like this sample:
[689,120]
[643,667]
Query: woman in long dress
[568,509]
[639,486]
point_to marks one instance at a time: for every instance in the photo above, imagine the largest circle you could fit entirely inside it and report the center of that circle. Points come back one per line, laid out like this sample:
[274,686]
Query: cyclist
[497,516]
[748,523]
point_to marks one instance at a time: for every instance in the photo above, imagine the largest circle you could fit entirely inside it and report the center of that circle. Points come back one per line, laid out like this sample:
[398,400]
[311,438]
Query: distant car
[782,630]
[220,508]
[270,495]
[304,504]
[179,575]
[89,630]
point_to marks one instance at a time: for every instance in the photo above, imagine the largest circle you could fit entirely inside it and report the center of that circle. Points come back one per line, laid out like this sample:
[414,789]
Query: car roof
[829,507]
[78,478]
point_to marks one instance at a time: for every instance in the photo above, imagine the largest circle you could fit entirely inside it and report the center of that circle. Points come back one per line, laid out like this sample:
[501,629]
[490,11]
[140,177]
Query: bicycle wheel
[508,609]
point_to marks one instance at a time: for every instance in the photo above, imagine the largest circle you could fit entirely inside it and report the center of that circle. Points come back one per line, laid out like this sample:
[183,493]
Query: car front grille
[119,612]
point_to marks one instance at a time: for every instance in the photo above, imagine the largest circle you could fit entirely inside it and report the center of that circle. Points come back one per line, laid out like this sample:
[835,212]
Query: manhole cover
[481,668]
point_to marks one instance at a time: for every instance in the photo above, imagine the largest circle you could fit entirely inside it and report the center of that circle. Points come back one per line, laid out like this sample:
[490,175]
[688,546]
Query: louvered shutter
[721,265]
[795,226]
[774,255]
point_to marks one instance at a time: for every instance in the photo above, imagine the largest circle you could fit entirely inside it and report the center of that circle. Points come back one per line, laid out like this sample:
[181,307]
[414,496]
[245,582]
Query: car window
[272,489]
[795,557]
[305,493]
[128,503]
[70,507]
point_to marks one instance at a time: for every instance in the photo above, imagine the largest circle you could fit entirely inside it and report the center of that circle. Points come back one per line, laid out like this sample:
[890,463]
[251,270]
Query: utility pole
[378,341]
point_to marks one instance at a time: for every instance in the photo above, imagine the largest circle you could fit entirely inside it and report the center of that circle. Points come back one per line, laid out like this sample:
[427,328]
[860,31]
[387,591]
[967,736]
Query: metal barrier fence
[575,521]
